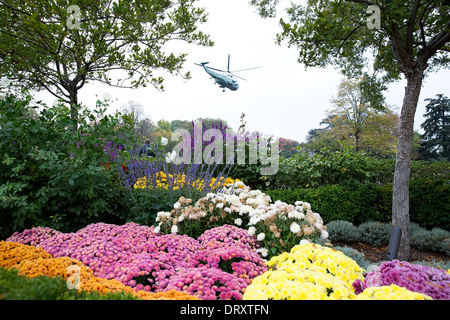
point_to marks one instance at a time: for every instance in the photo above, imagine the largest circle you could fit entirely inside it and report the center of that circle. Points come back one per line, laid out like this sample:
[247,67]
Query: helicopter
[225,79]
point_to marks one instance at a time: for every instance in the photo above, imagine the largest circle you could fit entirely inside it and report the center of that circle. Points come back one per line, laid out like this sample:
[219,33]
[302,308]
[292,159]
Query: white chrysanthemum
[162,214]
[177,205]
[294,227]
[4,82]
[254,220]
[174,229]
[251,231]
[261,236]
[238,221]
[264,251]
[246,209]
[164,141]
[295,214]
[304,241]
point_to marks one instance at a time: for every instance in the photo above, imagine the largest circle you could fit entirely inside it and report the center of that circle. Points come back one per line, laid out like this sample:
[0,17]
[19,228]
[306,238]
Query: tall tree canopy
[398,37]
[367,127]
[436,138]
[49,45]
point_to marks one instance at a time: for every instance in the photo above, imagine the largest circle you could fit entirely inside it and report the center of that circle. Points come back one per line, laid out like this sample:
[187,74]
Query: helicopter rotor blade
[245,69]
[228,68]
[216,69]
[238,76]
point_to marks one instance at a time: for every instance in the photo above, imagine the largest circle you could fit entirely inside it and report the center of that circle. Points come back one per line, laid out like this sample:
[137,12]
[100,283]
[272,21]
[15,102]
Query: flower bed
[143,260]
[278,226]
[432,282]
[236,229]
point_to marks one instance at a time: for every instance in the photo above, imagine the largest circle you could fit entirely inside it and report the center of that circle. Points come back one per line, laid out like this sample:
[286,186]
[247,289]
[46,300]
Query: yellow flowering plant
[177,181]
[392,292]
[323,259]
[295,283]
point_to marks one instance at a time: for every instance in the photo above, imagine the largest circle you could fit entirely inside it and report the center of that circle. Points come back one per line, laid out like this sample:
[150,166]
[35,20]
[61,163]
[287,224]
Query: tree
[367,127]
[404,37]
[49,45]
[288,147]
[436,139]
[141,125]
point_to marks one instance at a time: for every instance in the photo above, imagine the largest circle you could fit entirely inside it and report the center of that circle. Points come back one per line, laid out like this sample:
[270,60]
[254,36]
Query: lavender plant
[155,184]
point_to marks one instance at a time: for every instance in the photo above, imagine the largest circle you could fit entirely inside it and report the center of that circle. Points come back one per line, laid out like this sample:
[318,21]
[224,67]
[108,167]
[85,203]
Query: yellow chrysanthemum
[299,284]
[177,181]
[392,292]
[320,258]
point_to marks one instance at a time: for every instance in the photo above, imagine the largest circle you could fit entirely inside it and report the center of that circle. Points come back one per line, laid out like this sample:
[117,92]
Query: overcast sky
[281,99]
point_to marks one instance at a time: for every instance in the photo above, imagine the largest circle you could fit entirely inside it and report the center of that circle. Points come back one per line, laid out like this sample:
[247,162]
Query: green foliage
[41,50]
[16,287]
[360,202]
[351,201]
[52,176]
[436,239]
[375,233]
[342,231]
[310,170]
[144,204]
[436,139]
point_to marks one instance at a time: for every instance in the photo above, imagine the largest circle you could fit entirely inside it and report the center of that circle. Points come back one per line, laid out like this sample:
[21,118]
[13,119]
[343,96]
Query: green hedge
[361,202]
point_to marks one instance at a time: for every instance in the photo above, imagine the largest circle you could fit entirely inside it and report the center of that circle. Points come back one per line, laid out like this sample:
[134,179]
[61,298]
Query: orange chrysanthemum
[12,253]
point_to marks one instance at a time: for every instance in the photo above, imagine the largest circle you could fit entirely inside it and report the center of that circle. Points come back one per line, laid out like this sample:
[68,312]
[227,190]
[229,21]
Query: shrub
[376,234]
[350,201]
[430,203]
[277,226]
[435,240]
[342,231]
[50,175]
[357,202]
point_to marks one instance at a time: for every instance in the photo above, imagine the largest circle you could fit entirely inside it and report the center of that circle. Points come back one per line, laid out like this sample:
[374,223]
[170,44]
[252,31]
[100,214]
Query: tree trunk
[74,109]
[400,194]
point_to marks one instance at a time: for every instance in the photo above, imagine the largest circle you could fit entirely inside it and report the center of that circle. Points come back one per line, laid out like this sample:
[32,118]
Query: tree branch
[410,25]
[436,43]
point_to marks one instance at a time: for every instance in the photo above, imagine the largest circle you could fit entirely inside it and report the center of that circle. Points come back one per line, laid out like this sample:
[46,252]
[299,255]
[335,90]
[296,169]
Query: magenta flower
[33,236]
[227,235]
[208,283]
[240,262]
[181,248]
[431,281]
